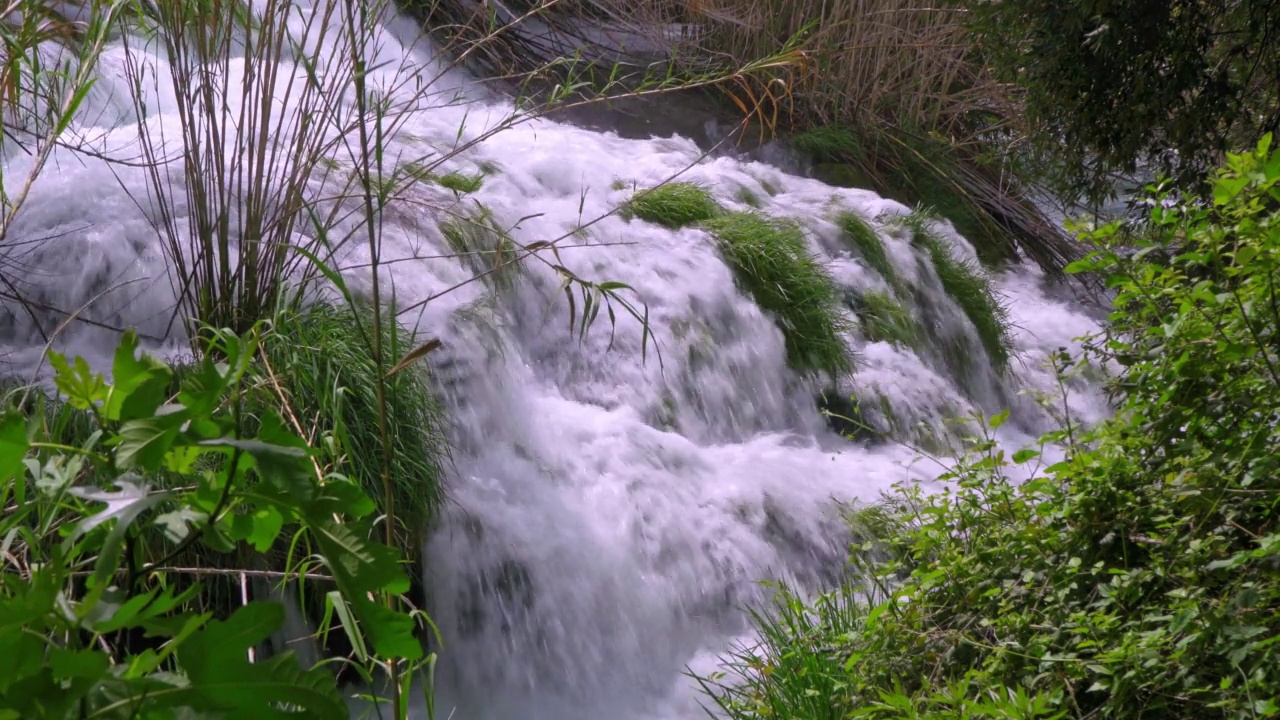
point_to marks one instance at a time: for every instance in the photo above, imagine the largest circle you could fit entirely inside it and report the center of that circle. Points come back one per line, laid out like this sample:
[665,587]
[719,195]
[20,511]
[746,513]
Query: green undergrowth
[325,365]
[674,205]
[863,238]
[1134,577]
[884,319]
[970,288]
[770,261]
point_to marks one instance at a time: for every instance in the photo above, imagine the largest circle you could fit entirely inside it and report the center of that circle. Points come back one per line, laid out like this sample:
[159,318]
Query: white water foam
[609,516]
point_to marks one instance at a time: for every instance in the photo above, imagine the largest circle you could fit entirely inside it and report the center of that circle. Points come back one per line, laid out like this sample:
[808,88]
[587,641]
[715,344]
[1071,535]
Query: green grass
[828,143]
[770,261]
[675,205]
[483,244]
[795,645]
[971,290]
[884,319]
[328,372]
[459,182]
[748,198]
[863,238]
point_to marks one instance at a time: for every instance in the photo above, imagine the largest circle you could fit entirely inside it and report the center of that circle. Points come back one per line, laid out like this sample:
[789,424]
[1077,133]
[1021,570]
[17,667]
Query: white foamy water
[609,516]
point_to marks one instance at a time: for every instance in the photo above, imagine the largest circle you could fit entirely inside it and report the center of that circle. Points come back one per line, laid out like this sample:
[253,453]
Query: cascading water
[610,516]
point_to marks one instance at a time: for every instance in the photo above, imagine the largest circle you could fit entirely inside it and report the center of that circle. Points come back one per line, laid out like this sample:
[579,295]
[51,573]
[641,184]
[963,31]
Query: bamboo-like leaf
[415,355]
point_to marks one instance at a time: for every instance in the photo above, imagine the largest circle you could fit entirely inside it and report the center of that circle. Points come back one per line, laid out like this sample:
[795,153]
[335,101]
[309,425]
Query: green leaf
[83,388]
[359,566]
[1023,456]
[261,528]
[13,445]
[89,664]
[282,458]
[139,385]
[221,677]
[390,632]
[143,443]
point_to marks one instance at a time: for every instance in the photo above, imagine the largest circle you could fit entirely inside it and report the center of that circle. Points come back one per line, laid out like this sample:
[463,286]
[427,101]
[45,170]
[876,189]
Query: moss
[884,319]
[971,290]
[863,238]
[770,261]
[675,205]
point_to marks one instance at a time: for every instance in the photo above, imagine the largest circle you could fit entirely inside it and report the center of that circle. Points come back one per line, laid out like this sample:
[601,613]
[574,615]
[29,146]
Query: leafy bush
[771,262]
[324,364]
[863,238]
[969,287]
[1137,577]
[76,587]
[674,205]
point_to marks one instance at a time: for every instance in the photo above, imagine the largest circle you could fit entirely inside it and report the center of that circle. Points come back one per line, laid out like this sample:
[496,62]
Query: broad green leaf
[23,655]
[13,445]
[358,565]
[84,389]
[139,385]
[203,389]
[215,660]
[390,632]
[1023,456]
[88,664]
[143,443]
[260,528]
[282,458]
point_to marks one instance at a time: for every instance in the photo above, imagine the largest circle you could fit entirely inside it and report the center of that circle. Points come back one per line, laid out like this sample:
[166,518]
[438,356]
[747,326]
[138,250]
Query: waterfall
[610,515]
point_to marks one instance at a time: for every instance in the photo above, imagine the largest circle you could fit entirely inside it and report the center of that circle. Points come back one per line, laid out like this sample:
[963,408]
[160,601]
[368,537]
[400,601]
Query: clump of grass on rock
[859,234]
[970,288]
[884,319]
[675,205]
[771,262]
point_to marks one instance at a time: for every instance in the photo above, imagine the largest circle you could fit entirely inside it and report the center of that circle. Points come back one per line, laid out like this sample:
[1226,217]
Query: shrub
[772,264]
[78,596]
[863,238]
[1134,578]
[674,205]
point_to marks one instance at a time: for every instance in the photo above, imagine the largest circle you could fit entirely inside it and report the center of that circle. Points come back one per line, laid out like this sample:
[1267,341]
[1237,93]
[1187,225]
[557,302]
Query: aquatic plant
[674,205]
[771,262]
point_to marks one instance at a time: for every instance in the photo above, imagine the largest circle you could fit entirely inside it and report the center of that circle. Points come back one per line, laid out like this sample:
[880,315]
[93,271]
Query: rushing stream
[609,516]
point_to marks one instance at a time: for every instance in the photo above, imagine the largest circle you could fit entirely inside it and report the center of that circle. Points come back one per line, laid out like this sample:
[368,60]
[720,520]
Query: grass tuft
[675,205]
[459,182]
[328,373]
[970,288]
[771,263]
[483,245]
[863,238]
[748,198]
[884,319]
